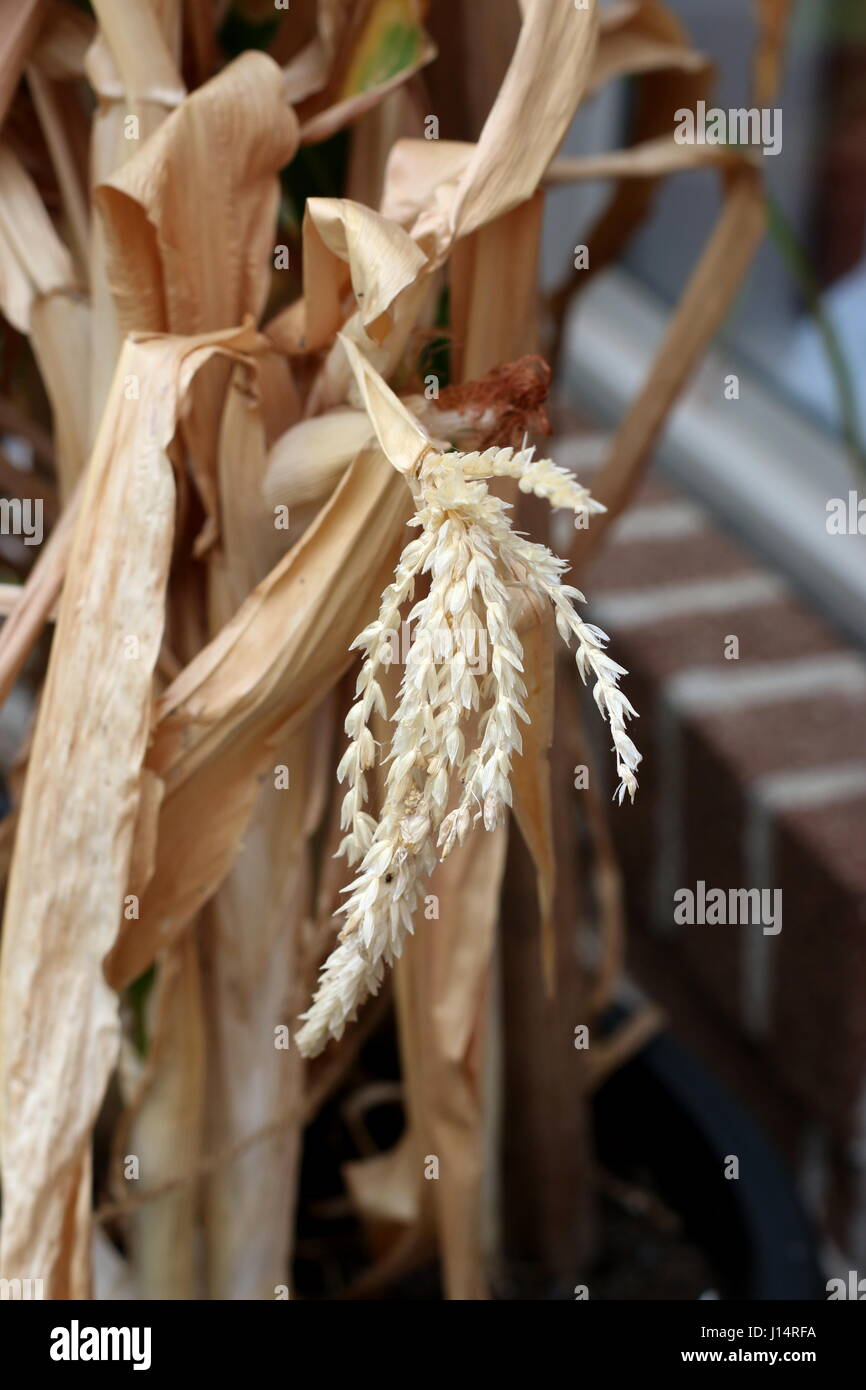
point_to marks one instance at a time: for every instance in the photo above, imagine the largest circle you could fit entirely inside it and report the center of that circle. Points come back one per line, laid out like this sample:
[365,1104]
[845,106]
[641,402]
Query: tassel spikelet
[480,572]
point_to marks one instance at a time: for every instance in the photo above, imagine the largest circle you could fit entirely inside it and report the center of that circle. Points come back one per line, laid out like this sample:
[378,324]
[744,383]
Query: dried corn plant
[236,793]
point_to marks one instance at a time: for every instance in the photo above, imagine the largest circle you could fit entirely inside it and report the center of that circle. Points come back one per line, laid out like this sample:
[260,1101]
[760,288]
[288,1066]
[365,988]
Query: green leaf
[398,50]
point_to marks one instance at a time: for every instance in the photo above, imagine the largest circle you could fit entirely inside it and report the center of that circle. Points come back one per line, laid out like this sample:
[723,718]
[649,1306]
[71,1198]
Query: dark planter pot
[665,1115]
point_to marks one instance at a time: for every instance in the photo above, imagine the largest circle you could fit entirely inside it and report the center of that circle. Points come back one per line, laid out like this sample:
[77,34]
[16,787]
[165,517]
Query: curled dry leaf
[59,1027]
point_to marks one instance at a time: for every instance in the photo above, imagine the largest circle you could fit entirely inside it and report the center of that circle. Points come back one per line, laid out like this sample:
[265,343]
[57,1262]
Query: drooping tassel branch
[463,666]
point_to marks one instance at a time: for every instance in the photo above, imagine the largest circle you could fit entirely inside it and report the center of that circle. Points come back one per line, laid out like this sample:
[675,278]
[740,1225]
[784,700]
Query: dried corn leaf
[190,227]
[121,123]
[165,1130]
[640,37]
[34,262]
[310,67]
[61,47]
[190,218]
[652,159]
[265,671]
[306,463]
[490,327]
[340,238]
[442,980]
[415,170]
[525,127]
[250,931]
[632,35]
[251,942]
[774,18]
[36,599]
[144,41]
[72,856]
[697,318]
[53,118]
[20,21]
[39,296]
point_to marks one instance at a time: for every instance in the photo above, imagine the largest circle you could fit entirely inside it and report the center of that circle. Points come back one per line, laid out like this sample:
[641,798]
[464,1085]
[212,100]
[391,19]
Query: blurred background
[755,756]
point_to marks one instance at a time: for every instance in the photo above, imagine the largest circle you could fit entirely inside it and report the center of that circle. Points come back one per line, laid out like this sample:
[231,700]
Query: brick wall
[754,776]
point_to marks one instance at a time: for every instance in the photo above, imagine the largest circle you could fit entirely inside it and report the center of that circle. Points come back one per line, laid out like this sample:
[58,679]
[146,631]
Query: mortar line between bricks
[710,689]
[806,787]
[713,689]
[659,521]
[630,608]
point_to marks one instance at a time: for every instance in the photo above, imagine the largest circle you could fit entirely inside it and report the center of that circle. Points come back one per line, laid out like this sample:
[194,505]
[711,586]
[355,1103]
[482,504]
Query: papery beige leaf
[20,21]
[40,297]
[64,37]
[774,18]
[265,671]
[33,261]
[389,301]
[72,855]
[640,36]
[306,463]
[441,986]
[525,127]
[36,599]
[696,319]
[165,1129]
[120,124]
[190,227]
[633,35]
[310,68]
[250,543]
[416,170]
[51,113]
[381,261]
[250,931]
[190,217]
[144,41]
[651,159]
[401,437]
[489,327]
